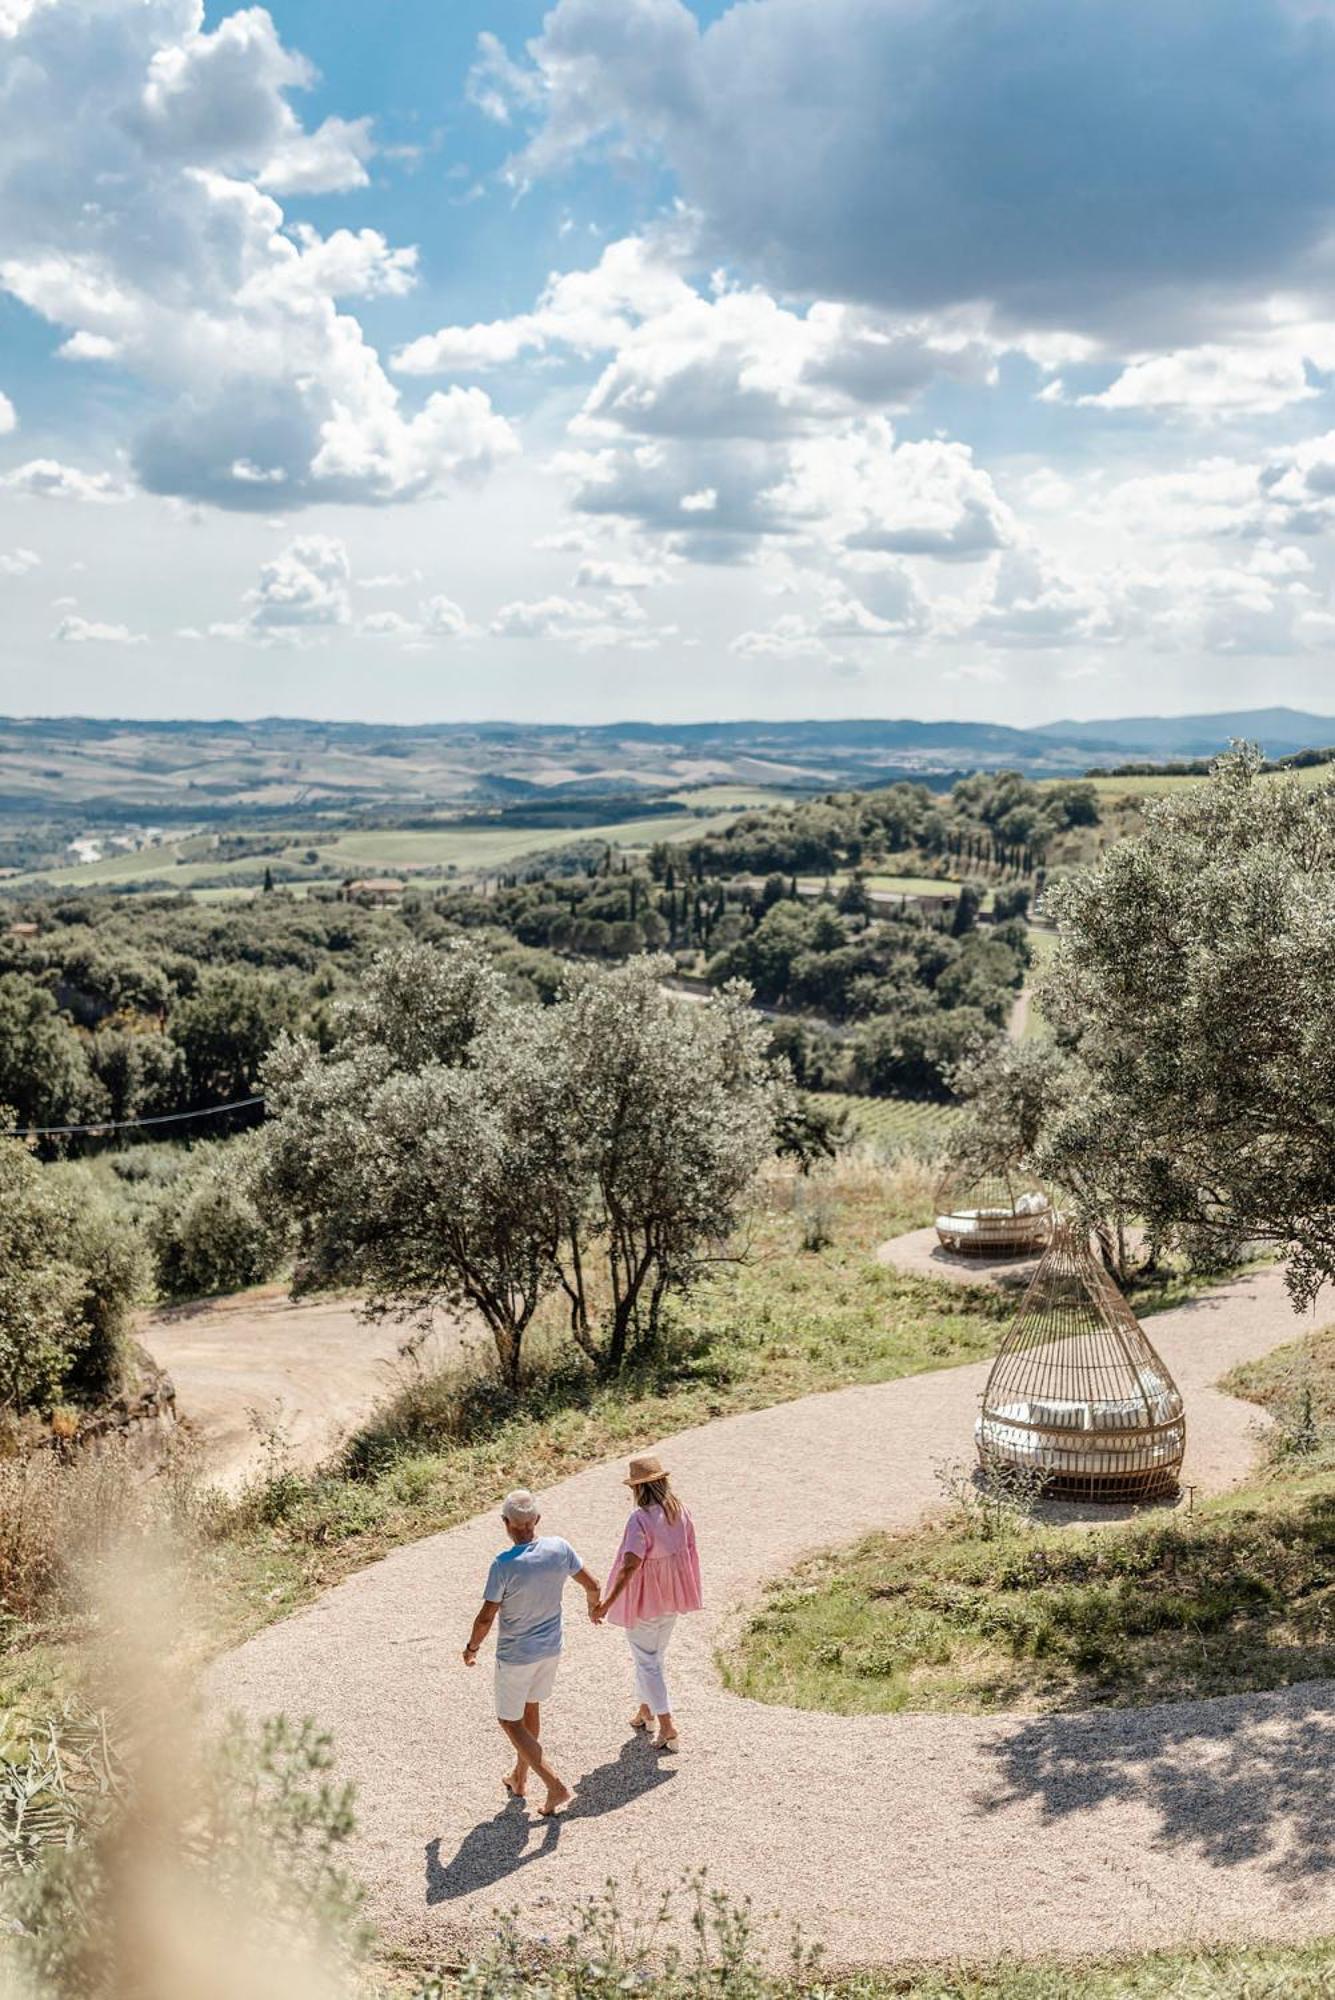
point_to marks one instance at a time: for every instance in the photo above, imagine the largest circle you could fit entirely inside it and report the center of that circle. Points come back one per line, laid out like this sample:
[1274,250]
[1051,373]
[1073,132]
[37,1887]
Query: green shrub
[208,1232]
[68,1284]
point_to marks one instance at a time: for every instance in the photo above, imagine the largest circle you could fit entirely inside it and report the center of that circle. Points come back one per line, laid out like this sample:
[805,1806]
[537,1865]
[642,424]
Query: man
[525,1585]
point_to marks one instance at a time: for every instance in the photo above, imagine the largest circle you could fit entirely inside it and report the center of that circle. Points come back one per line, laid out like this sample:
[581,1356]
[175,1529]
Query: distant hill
[1278,731]
[174,773]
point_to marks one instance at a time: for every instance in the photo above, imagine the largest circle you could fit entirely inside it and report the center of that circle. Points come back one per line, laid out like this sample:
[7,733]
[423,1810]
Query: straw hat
[643,1471]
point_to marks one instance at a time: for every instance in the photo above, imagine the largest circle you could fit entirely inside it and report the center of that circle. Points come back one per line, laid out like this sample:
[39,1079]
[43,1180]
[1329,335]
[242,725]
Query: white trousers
[648,1642]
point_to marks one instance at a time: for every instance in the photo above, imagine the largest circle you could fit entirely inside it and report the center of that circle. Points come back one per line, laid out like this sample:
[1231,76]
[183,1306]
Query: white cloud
[1209,381]
[389,625]
[327,161]
[788,638]
[8,416]
[76,631]
[617,620]
[595,573]
[924,497]
[1034,604]
[18,562]
[133,213]
[304,587]
[48,479]
[442,618]
[88,347]
[589,311]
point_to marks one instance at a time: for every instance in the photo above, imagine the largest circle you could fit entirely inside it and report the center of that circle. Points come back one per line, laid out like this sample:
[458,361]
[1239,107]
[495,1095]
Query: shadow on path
[500,1846]
[1246,1778]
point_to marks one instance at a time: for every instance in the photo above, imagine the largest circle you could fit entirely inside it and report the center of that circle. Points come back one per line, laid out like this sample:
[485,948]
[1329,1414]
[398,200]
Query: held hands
[597,1611]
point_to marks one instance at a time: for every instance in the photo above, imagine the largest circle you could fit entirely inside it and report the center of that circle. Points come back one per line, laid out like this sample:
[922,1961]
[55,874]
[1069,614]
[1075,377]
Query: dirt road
[243,1365]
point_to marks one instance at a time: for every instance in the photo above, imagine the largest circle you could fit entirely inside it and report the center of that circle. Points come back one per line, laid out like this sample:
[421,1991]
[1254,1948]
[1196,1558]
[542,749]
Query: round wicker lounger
[1077,1392]
[997,1217]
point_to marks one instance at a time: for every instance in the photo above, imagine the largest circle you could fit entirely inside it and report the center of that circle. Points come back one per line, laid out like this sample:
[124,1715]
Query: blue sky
[572,359]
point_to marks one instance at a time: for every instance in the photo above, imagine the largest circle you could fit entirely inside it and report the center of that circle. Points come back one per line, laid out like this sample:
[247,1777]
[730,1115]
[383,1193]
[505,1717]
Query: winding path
[304,1371]
[916,1837]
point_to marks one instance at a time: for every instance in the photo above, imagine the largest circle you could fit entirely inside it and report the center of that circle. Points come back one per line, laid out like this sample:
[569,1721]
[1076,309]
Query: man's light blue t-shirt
[527,1581]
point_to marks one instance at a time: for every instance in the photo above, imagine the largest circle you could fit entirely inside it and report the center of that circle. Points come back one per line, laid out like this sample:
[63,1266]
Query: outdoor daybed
[994,1218]
[1077,1394]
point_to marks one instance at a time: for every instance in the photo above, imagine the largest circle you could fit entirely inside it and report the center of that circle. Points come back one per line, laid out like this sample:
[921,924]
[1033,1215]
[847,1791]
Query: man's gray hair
[519,1506]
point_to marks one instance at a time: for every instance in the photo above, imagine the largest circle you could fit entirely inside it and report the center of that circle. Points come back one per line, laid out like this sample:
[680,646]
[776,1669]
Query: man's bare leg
[529,1748]
[517,1781]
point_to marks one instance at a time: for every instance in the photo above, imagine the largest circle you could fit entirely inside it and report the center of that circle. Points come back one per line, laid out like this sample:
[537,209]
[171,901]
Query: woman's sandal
[666,1743]
[640,1721]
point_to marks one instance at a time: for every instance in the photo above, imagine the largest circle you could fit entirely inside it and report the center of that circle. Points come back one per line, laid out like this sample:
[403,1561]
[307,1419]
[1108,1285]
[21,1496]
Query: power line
[130,1124]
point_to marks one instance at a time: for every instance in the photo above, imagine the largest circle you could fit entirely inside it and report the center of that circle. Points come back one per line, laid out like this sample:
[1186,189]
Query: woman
[656,1576]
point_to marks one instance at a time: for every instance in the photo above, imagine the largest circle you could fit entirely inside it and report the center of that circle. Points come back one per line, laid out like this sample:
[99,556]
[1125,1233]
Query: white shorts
[518,1685]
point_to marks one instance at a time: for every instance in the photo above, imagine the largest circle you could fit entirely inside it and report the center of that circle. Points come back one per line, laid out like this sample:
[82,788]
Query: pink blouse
[668,1578]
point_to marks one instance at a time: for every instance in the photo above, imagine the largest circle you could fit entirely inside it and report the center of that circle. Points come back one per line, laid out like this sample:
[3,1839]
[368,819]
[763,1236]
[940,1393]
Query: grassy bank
[591,1966]
[1239,1596]
[987,1611]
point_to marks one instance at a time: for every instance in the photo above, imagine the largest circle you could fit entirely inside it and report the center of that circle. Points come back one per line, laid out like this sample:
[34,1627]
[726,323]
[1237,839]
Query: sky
[448,359]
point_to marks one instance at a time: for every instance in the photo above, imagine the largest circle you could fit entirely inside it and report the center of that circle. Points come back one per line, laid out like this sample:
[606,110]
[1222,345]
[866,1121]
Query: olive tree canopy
[458,1148]
[1194,981]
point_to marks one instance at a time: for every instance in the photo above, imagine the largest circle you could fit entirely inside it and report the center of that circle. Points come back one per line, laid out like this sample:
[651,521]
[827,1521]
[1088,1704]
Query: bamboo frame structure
[1001,1215]
[1077,1392]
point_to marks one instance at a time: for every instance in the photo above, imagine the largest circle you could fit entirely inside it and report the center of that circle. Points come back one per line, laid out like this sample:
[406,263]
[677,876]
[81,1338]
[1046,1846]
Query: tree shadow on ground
[1243,1779]
[501,1846]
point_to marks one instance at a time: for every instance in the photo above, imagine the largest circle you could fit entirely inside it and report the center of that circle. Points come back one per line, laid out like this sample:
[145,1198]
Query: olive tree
[1194,981]
[400,1154]
[668,1109]
[458,1148]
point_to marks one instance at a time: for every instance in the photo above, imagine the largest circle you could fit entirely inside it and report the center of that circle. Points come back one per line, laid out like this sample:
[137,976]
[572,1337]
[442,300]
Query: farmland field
[468,848]
[1158,785]
[895,1125]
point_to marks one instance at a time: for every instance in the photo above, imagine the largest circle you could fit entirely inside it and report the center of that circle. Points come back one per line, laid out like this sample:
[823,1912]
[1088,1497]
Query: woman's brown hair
[658,1493]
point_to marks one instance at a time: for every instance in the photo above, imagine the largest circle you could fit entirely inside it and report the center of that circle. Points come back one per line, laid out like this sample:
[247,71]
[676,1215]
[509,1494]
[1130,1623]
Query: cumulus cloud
[857,151]
[304,587]
[925,497]
[442,618]
[18,562]
[8,416]
[1208,381]
[75,631]
[588,311]
[328,160]
[138,166]
[389,625]
[48,479]
[615,620]
[1032,603]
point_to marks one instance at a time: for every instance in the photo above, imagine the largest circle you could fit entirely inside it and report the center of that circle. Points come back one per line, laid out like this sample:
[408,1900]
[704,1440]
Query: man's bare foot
[557,1797]
[516,1783]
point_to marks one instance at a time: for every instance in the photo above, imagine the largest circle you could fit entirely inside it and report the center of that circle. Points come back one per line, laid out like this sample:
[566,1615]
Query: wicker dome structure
[999,1215]
[1077,1392]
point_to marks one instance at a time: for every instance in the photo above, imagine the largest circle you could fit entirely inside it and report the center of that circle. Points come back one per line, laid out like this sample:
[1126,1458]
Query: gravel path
[918,1254]
[891,1838]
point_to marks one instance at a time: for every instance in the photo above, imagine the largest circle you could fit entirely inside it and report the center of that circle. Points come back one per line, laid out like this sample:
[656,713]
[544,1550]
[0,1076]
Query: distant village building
[374,889]
[23,930]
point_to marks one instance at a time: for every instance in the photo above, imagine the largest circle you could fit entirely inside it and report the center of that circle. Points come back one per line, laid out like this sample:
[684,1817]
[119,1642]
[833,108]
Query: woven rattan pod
[1001,1215]
[1077,1393]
